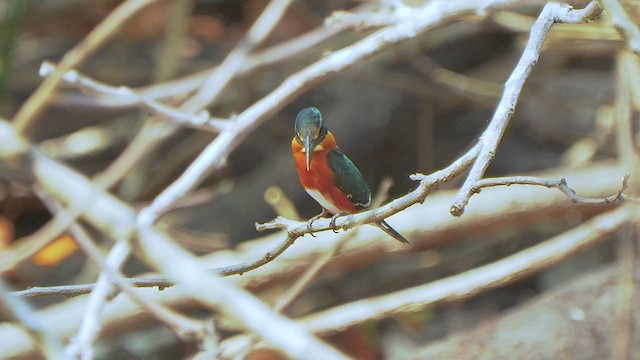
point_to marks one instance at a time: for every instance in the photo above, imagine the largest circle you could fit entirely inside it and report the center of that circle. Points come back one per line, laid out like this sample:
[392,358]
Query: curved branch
[74,57]
[551,14]
[558,184]
[214,156]
[197,121]
[427,183]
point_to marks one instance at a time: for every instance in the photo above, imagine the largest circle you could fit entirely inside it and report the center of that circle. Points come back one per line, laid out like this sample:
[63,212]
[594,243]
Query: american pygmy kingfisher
[327,174]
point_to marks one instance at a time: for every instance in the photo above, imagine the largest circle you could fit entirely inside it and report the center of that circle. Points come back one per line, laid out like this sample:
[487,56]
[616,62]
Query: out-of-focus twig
[626,65]
[112,217]
[181,325]
[256,60]
[198,120]
[74,57]
[222,75]
[551,14]
[214,156]
[500,273]
[15,16]
[623,23]
[475,89]
[233,302]
[303,282]
[19,310]
[207,93]
[507,205]
[626,254]
[81,346]
[169,59]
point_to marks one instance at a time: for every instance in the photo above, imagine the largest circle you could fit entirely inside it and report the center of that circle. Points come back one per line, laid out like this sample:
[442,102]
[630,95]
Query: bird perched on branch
[327,174]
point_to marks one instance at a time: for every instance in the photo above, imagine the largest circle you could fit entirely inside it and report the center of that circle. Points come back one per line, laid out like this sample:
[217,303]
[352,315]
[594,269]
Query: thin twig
[626,65]
[37,292]
[502,272]
[206,94]
[168,61]
[626,254]
[223,74]
[74,57]
[234,303]
[214,156]
[506,271]
[81,346]
[627,28]
[427,184]
[201,120]
[257,60]
[20,311]
[551,14]
[552,183]
[286,299]
[181,325]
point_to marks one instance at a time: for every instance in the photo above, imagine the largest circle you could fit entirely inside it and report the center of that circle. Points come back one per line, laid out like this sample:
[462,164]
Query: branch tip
[456,211]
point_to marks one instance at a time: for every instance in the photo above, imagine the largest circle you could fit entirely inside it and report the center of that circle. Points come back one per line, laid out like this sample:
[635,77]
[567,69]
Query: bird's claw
[332,223]
[313,219]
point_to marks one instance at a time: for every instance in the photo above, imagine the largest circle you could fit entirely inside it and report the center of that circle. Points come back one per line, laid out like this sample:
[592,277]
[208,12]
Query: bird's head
[310,130]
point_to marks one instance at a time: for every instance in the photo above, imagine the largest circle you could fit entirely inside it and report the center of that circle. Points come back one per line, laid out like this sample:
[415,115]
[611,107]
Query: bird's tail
[391,231]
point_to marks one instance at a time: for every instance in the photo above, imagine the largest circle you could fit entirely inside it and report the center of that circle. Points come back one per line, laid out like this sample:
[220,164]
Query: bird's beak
[308,150]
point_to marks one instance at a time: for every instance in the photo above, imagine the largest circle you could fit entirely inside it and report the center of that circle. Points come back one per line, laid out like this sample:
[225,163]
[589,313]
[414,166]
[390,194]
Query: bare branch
[513,205]
[502,272]
[184,85]
[266,257]
[197,121]
[551,14]
[111,216]
[294,291]
[181,325]
[222,75]
[74,57]
[215,155]
[550,183]
[627,28]
[207,93]
[626,254]
[427,183]
[37,292]
[82,344]
[19,310]
[235,303]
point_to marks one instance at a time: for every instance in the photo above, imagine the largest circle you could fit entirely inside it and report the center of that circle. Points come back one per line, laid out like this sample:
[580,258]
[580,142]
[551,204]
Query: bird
[327,174]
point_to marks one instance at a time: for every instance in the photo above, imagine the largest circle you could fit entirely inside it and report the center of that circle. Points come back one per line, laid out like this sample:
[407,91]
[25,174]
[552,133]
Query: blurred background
[412,108]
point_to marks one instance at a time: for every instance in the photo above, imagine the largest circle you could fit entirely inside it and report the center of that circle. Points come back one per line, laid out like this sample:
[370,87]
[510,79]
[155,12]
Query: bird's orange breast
[320,176]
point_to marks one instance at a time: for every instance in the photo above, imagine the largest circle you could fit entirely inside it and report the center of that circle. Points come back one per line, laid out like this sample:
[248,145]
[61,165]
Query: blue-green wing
[349,179]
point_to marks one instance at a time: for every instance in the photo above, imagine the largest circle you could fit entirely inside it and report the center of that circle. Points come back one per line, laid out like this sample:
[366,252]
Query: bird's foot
[332,223]
[324,213]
